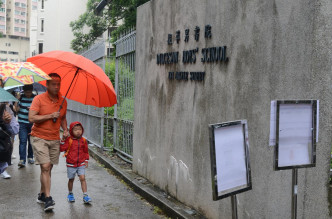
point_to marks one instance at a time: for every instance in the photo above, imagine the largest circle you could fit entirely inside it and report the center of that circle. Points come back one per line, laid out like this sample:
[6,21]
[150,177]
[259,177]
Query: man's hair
[53,75]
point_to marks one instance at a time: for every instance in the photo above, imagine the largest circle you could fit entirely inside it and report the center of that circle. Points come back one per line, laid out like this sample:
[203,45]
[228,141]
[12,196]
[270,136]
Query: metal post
[115,127]
[234,206]
[294,193]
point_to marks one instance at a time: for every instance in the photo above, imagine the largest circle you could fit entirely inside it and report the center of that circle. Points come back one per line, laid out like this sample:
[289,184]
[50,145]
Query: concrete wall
[277,50]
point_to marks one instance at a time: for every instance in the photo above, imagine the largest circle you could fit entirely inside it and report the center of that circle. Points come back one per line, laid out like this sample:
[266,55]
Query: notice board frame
[313,104]
[233,191]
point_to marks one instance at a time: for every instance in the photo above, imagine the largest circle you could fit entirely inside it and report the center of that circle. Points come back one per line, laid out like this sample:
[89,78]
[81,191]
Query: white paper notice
[230,157]
[295,134]
[273,118]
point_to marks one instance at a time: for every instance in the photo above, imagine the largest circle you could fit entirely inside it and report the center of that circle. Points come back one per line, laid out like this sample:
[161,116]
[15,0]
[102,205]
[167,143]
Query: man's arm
[35,118]
[64,127]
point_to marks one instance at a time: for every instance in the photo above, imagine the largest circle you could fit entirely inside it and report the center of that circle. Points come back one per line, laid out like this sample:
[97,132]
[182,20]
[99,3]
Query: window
[2,10]
[17,12]
[2,27]
[40,48]
[2,18]
[3,60]
[3,52]
[17,4]
[7,44]
[16,29]
[23,13]
[42,25]
[34,7]
[12,53]
[42,4]
[12,60]
[22,21]
[23,30]
[23,5]
[17,21]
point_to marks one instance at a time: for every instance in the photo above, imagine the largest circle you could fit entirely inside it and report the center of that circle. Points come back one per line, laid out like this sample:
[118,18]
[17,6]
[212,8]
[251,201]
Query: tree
[115,11]
[95,26]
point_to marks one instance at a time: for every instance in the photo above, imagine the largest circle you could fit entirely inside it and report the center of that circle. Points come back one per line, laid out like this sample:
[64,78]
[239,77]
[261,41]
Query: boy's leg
[70,184]
[83,183]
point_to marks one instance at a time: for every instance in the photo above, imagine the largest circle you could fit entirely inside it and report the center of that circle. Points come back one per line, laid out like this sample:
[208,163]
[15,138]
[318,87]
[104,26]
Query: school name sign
[205,55]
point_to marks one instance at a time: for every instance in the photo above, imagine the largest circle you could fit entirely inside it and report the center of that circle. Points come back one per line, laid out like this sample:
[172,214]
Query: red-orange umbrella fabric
[85,81]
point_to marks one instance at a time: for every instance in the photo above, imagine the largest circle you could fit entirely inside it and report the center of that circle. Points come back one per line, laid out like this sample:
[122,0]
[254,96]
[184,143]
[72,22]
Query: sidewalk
[110,197]
[154,195]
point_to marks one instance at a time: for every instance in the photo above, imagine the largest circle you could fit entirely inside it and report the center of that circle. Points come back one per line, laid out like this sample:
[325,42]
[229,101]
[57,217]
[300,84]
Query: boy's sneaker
[86,199]
[41,198]
[31,161]
[71,197]
[21,164]
[5,175]
[49,204]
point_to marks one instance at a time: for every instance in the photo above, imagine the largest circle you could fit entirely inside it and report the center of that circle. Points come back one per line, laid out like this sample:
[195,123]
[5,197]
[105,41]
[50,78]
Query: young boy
[77,156]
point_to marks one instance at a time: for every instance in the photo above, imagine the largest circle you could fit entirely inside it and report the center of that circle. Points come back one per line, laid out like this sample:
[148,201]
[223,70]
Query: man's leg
[23,137]
[30,151]
[45,178]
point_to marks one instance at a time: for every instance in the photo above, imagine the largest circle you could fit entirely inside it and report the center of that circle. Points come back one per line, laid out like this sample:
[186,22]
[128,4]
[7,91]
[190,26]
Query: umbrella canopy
[20,73]
[90,85]
[6,97]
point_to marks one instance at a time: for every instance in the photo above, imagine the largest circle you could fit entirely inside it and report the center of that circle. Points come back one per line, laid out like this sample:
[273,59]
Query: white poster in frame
[296,124]
[230,166]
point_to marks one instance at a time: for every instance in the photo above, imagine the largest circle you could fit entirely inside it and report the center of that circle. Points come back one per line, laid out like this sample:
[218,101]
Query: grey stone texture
[277,50]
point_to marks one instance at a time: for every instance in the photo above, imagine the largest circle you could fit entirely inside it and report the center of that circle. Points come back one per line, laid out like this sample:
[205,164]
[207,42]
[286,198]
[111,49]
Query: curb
[170,206]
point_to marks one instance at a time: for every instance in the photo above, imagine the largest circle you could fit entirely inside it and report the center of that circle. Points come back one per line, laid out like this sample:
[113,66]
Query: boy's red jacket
[78,153]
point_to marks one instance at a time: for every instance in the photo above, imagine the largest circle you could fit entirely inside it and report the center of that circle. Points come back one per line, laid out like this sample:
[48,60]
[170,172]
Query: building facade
[53,19]
[15,18]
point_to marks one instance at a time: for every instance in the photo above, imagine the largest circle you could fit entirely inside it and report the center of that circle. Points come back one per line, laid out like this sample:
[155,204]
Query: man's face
[28,93]
[53,86]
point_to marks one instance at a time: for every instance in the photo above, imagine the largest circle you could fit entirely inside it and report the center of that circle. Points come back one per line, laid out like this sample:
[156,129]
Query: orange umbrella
[81,79]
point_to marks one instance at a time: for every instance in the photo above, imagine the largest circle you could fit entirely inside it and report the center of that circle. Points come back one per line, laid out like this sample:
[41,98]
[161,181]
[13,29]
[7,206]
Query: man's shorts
[71,171]
[45,151]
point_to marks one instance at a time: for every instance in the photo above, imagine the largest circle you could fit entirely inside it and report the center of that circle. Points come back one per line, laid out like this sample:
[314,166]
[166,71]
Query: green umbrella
[6,97]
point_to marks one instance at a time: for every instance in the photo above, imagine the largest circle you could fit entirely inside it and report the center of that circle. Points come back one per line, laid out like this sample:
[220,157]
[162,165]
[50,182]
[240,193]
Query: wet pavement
[110,197]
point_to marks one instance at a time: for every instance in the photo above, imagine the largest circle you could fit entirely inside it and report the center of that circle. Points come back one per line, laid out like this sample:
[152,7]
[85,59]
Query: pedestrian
[25,126]
[77,156]
[45,134]
[5,140]
[14,126]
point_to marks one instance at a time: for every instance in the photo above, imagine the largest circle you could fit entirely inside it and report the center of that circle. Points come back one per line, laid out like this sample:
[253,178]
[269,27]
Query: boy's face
[28,93]
[77,131]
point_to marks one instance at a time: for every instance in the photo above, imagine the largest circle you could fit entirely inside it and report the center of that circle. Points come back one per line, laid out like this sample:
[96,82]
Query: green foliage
[126,92]
[95,26]
[115,11]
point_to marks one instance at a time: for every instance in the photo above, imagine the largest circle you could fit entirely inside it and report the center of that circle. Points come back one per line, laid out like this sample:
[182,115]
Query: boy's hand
[86,164]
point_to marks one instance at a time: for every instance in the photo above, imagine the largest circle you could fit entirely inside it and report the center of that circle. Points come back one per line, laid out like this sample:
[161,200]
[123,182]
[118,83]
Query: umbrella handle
[54,120]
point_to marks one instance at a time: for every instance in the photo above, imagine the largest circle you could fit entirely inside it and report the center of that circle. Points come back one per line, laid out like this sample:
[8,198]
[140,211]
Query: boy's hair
[28,87]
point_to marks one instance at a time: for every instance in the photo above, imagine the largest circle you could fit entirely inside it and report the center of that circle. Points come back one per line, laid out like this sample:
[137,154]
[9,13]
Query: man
[25,125]
[45,136]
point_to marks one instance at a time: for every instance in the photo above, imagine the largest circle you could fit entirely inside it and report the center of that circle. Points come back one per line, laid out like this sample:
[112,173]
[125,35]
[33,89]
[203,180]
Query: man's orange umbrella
[81,79]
